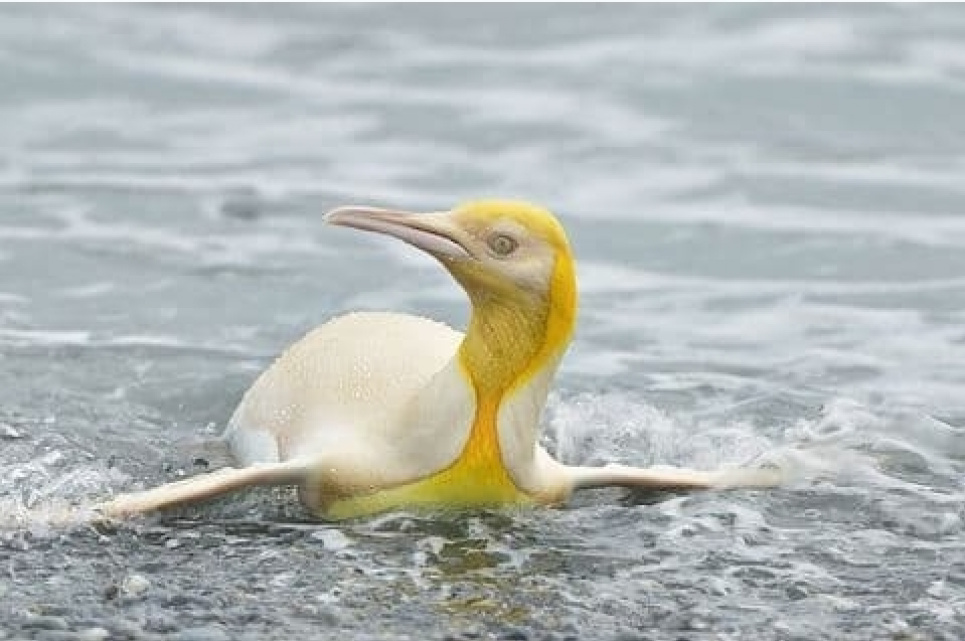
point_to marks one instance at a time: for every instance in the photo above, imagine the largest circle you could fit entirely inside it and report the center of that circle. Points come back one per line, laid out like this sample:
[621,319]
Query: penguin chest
[476,478]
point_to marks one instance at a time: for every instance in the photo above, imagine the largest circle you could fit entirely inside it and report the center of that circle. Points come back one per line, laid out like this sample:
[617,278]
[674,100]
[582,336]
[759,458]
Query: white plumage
[349,379]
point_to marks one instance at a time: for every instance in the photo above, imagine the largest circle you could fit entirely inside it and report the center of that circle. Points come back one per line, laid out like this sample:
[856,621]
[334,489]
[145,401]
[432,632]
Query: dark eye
[502,244]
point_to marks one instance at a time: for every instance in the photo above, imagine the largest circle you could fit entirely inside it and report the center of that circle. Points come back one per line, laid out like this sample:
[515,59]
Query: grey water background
[768,208]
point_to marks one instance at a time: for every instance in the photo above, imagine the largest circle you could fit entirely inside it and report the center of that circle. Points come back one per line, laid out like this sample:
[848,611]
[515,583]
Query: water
[768,207]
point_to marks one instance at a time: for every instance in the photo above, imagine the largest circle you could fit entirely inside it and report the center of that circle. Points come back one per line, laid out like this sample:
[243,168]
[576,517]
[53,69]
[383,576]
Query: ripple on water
[766,204]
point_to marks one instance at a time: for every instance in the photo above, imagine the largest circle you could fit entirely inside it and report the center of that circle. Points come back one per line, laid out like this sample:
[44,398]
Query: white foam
[44,496]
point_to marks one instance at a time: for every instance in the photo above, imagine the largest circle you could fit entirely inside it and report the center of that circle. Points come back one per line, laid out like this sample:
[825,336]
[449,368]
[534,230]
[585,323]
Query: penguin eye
[502,244]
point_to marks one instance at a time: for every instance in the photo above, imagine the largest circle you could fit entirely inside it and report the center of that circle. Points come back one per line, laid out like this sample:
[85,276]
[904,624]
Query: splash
[40,498]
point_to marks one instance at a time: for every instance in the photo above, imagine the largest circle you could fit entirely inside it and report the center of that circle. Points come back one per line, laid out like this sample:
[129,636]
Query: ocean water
[768,209]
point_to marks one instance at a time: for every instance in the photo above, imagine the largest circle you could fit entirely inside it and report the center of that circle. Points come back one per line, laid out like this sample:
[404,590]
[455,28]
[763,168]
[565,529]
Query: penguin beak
[432,232]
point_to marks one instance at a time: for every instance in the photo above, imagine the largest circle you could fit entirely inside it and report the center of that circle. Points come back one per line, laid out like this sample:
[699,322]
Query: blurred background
[768,209]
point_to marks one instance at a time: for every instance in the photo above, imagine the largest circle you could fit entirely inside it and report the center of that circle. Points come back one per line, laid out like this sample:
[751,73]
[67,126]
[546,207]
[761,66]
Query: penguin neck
[509,354]
[505,343]
[515,334]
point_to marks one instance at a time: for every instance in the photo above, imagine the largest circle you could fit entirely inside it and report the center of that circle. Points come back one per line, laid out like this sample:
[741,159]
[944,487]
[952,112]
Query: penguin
[375,411]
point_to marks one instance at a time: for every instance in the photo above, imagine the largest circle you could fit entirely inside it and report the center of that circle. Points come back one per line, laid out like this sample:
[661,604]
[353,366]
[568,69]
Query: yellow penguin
[374,411]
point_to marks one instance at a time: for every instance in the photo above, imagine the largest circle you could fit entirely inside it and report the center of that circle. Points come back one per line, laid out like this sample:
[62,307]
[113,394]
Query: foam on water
[44,497]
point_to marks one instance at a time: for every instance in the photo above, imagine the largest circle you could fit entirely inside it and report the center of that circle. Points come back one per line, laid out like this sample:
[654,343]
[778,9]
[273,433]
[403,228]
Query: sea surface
[767,204]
